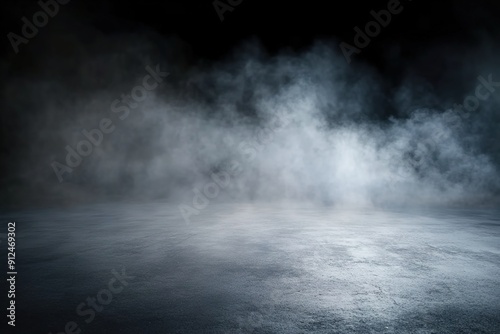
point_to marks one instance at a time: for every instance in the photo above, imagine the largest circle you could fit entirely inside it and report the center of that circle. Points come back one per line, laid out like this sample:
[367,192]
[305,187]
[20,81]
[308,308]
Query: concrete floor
[259,269]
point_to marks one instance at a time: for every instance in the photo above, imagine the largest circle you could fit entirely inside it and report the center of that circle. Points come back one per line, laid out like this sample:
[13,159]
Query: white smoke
[330,138]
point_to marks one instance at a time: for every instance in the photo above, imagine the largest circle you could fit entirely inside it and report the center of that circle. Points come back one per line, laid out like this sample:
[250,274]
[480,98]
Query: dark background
[429,38]
[278,24]
[184,282]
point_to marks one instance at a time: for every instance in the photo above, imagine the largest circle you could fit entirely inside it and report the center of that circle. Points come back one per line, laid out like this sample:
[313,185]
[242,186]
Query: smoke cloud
[301,126]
